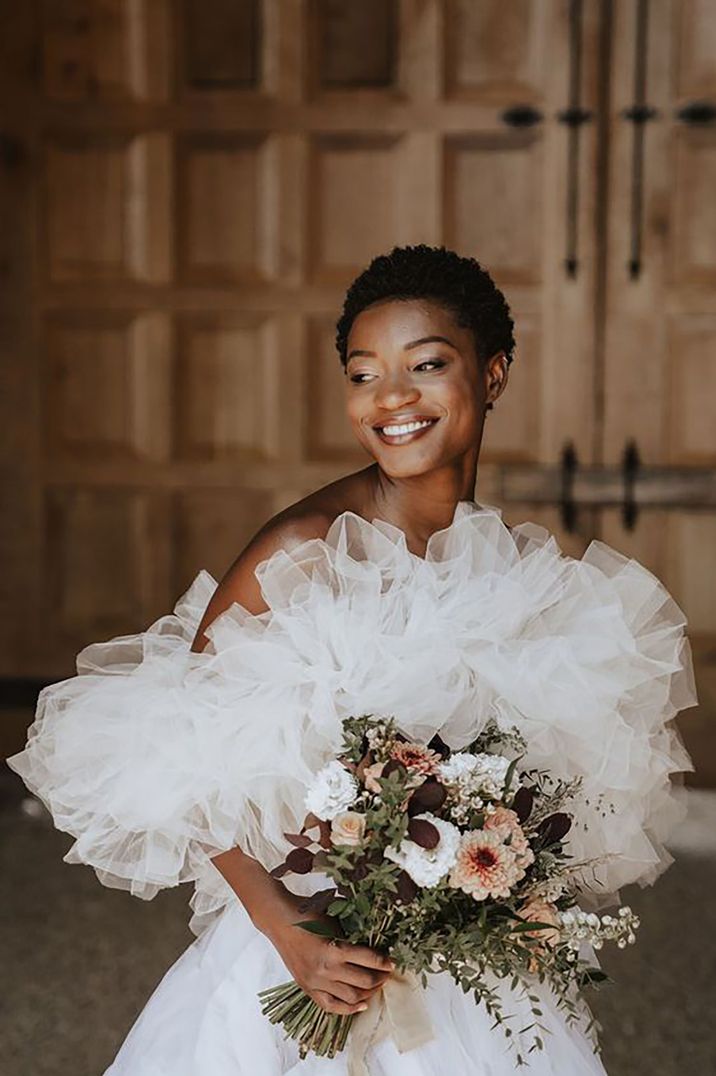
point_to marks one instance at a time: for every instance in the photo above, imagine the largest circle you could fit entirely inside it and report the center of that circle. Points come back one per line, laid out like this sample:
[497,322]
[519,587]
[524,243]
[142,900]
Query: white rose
[348,828]
[332,791]
[427,866]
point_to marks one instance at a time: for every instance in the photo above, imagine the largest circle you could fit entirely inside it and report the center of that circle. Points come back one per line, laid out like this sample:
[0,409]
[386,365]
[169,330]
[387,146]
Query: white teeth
[394,431]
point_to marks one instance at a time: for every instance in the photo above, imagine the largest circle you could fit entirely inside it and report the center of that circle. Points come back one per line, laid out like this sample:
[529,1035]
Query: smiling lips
[398,433]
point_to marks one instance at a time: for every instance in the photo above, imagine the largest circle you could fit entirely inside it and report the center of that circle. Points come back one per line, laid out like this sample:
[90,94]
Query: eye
[426,362]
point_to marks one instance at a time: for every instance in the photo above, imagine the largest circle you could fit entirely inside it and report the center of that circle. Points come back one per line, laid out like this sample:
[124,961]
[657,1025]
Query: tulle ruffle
[156,759]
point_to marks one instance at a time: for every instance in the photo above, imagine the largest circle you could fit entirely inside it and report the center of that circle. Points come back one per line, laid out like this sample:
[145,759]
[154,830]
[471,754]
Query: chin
[406,468]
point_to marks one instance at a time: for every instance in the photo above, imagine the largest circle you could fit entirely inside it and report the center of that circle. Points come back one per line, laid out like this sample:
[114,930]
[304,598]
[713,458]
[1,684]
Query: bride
[183,753]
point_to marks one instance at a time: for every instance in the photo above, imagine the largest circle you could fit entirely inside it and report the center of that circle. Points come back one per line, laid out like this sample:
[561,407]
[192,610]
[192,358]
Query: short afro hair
[459,284]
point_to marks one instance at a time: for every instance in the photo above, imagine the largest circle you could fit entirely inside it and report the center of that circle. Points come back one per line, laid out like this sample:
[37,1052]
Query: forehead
[393,323]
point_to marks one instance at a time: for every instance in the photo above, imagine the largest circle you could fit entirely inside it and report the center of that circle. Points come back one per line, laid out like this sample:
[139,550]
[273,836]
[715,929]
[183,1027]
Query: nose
[396,389]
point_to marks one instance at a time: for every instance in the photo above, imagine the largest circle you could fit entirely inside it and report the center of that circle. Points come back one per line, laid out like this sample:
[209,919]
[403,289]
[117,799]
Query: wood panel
[104,50]
[104,561]
[106,386]
[488,181]
[226,395]
[353,46]
[224,208]
[106,208]
[495,46]
[353,202]
[222,50]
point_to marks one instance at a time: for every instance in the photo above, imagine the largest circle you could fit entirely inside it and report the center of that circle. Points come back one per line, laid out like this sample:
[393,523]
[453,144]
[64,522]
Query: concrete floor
[79,960]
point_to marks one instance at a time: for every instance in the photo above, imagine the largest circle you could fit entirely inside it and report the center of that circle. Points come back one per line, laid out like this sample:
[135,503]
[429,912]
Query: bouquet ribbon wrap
[398,1011]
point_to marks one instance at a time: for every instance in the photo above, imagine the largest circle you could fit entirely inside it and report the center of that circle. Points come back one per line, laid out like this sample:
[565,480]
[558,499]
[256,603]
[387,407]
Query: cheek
[354,409]
[462,398]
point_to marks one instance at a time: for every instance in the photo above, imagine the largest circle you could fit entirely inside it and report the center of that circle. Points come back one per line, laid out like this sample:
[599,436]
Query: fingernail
[362,1008]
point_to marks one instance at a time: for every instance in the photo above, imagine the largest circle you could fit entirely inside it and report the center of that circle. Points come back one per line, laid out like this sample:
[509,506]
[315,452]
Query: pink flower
[541,911]
[507,824]
[485,867]
[415,758]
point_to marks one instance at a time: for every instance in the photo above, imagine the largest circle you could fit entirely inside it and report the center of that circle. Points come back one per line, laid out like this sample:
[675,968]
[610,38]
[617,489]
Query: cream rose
[348,828]
[371,775]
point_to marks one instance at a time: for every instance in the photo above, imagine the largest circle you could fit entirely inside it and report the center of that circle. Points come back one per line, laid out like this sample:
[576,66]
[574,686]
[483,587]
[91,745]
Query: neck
[418,505]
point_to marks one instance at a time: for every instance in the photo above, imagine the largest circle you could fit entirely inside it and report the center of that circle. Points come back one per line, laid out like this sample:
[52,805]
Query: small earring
[489,407]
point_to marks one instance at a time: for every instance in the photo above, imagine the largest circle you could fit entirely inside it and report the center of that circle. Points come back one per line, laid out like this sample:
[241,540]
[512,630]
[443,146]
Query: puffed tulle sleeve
[156,759]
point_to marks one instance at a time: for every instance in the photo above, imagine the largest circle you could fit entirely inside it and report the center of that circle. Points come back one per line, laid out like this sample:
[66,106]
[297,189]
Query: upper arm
[240,584]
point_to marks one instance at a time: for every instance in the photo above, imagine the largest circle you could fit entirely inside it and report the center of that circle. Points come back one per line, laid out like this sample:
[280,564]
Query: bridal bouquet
[447,862]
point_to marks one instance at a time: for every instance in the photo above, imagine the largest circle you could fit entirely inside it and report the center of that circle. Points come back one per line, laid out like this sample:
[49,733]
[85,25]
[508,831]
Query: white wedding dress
[156,758]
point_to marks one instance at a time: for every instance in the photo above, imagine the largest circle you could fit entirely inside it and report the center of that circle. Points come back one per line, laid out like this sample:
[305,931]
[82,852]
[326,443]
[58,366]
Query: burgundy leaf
[298,840]
[300,861]
[324,828]
[362,766]
[318,902]
[430,796]
[360,871]
[439,746]
[424,833]
[278,872]
[407,889]
[554,827]
[522,802]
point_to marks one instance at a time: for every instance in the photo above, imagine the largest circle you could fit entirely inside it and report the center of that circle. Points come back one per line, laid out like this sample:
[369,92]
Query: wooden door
[659,367]
[647,484]
[192,186]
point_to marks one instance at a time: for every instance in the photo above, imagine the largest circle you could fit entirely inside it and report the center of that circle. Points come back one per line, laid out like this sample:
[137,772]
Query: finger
[332,1004]
[351,995]
[367,958]
[363,978]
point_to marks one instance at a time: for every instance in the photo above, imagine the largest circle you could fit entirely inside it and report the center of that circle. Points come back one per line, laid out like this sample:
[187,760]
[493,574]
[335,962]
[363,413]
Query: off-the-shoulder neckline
[462,507]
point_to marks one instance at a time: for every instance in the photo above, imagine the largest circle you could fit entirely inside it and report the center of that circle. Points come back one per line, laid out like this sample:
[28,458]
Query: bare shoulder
[287,529]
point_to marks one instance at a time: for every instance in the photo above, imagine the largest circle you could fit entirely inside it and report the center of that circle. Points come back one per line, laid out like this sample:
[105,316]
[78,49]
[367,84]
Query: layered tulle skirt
[204,1019]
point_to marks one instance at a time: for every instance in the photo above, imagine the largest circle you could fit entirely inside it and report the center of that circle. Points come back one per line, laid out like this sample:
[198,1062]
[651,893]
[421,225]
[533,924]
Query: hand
[341,978]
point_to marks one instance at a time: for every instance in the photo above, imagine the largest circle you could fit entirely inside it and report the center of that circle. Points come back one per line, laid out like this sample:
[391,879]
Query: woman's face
[408,360]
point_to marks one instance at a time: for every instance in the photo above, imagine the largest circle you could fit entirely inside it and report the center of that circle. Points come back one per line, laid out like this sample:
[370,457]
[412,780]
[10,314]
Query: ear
[496,374]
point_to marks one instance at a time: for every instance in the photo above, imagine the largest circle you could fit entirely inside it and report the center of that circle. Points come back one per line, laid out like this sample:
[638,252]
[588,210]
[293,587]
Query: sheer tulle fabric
[204,1019]
[155,758]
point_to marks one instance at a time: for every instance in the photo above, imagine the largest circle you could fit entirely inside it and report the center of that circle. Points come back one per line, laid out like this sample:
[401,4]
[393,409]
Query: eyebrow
[415,343]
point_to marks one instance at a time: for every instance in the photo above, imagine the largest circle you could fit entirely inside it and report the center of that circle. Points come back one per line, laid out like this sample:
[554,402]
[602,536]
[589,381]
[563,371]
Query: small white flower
[427,866]
[333,791]
[468,775]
